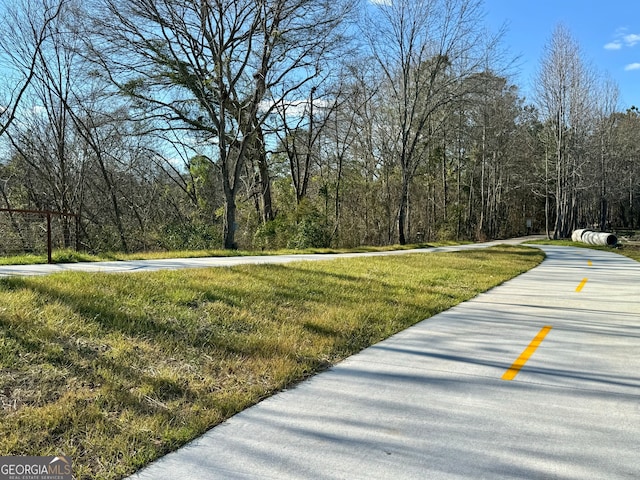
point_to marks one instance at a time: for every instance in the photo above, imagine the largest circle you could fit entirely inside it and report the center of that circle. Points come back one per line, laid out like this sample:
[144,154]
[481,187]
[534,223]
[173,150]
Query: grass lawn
[628,250]
[116,370]
[71,256]
[631,252]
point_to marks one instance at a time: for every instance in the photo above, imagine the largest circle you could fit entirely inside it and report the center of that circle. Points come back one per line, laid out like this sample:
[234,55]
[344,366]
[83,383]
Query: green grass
[116,370]
[628,250]
[631,251]
[58,256]
[71,256]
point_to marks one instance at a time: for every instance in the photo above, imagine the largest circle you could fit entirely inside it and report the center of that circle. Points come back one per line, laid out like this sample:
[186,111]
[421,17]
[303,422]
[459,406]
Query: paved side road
[431,401]
[180,263]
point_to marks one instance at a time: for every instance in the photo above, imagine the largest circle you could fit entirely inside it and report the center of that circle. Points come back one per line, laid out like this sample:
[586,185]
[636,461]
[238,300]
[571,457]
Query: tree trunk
[445,184]
[265,189]
[603,188]
[117,216]
[264,177]
[481,226]
[229,229]
[402,213]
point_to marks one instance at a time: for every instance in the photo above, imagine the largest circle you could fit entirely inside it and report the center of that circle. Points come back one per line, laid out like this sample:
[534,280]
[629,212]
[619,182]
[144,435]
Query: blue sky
[608,31]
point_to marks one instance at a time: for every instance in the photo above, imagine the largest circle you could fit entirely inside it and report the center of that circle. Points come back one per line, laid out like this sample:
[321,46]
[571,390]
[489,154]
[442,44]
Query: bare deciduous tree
[216,69]
[607,105]
[424,48]
[24,29]
[564,90]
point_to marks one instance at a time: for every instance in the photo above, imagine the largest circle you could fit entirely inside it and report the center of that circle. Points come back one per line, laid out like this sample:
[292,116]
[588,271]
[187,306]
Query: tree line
[167,124]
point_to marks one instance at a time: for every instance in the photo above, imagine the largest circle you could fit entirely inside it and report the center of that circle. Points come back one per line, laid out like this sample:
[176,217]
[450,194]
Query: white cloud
[631,39]
[632,66]
[613,46]
[623,39]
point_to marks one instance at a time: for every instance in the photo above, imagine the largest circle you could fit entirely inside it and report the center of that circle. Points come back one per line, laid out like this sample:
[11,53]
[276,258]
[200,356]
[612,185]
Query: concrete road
[180,263]
[431,402]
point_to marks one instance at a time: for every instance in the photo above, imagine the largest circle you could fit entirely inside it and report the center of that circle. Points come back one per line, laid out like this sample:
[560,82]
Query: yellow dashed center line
[526,354]
[582,284]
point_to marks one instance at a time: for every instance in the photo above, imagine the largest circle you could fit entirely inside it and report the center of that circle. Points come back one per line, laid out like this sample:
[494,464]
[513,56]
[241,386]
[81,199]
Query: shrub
[190,236]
